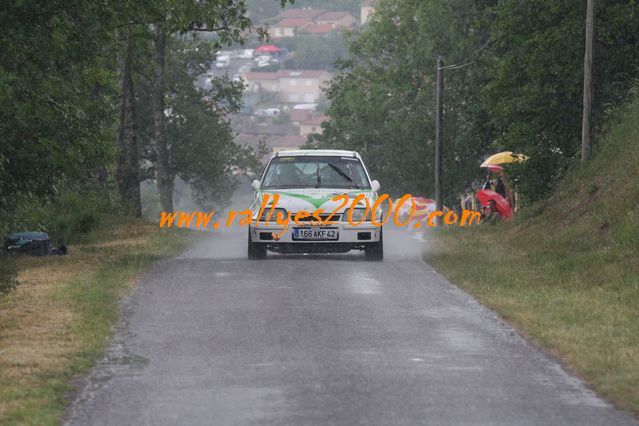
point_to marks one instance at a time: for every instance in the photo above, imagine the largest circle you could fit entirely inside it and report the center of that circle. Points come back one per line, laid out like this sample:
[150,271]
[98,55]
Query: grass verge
[566,271]
[58,320]
[580,306]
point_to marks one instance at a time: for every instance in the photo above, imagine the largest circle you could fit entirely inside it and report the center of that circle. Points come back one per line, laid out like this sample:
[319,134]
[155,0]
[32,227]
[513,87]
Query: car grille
[335,218]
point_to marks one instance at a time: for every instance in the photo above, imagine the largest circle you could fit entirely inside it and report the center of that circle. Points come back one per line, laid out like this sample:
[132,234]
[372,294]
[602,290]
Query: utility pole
[439,135]
[586,143]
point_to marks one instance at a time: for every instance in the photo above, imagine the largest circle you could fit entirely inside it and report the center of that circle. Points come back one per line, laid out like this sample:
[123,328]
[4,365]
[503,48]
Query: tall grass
[8,274]
[59,319]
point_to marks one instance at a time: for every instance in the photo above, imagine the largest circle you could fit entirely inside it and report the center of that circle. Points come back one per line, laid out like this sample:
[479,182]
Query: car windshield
[315,172]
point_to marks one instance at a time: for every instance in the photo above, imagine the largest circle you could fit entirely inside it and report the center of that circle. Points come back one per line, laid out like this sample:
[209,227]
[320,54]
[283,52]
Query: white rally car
[309,181]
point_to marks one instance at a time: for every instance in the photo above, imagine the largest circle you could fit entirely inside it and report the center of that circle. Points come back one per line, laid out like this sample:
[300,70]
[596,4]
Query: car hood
[311,199]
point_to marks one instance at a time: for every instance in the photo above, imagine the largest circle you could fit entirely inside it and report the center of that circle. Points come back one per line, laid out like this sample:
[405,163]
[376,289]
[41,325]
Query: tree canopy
[383,96]
[68,109]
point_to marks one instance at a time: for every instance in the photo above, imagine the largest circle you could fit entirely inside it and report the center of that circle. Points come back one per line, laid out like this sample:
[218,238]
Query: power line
[469,60]
[474,57]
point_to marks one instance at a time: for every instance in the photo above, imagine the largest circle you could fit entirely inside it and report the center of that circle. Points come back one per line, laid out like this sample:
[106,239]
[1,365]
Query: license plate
[315,234]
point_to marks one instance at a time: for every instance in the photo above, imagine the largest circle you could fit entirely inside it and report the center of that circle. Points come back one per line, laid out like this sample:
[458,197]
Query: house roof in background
[319,28]
[297,13]
[292,23]
[306,117]
[332,16]
[314,120]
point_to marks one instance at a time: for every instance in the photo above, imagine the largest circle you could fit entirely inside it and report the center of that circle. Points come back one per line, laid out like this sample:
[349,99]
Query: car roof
[317,152]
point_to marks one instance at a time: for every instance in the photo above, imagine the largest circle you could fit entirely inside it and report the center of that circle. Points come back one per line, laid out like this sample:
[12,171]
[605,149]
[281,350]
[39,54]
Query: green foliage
[57,92]
[518,87]
[534,72]
[534,179]
[262,11]
[59,100]
[72,216]
[382,100]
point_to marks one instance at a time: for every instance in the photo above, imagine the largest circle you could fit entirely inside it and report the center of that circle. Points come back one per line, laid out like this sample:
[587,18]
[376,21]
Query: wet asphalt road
[213,339]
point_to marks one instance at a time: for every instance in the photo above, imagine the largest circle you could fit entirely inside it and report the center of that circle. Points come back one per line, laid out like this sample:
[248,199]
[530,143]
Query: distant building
[310,21]
[336,19]
[262,82]
[292,86]
[287,142]
[307,121]
[301,86]
[366,10]
[251,126]
[312,125]
[297,115]
[288,27]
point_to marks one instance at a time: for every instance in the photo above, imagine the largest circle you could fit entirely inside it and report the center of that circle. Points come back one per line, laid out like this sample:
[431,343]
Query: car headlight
[281,213]
[357,215]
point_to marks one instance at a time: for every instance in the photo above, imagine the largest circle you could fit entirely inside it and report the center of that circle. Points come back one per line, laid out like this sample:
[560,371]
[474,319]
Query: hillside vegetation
[566,270]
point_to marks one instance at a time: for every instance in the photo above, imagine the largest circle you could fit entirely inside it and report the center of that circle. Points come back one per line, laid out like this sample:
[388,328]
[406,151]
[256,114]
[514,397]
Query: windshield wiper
[319,177]
[344,175]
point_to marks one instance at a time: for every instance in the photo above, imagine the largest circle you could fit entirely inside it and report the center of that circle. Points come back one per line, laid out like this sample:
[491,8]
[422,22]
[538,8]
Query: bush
[72,216]
[534,179]
[65,217]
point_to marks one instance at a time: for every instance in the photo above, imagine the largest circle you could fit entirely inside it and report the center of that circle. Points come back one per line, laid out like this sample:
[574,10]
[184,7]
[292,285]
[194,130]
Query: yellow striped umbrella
[505,157]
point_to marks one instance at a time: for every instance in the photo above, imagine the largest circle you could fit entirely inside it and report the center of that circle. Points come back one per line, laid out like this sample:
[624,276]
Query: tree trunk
[163,172]
[127,171]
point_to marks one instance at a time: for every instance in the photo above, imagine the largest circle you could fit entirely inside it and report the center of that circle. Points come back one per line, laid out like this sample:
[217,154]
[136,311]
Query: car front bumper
[280,238]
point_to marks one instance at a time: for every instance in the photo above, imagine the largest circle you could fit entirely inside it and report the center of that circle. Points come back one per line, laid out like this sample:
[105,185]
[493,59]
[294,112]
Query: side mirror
[256,185]
[375,186]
